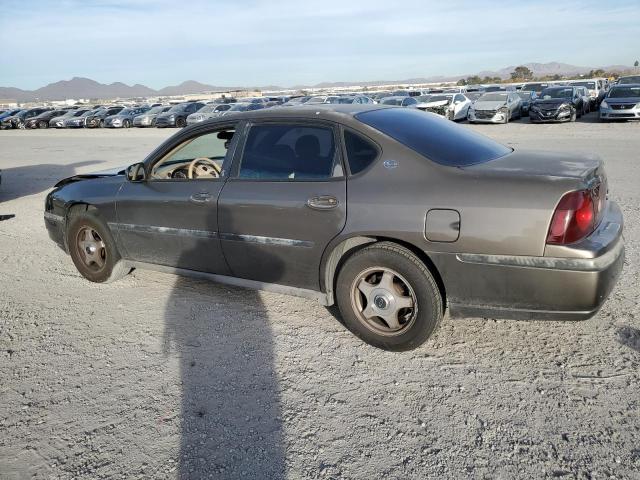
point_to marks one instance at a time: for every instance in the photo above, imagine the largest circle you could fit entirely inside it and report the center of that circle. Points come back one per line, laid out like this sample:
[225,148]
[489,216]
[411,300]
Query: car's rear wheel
[388,297]
[93,249]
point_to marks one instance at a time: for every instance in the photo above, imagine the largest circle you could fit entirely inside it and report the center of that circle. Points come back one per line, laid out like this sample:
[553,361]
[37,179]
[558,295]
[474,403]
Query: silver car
[148,119]
[496,107]
[211,110]
[621,103]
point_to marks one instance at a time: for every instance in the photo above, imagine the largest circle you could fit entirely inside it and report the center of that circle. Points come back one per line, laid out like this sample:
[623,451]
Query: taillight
[576,216]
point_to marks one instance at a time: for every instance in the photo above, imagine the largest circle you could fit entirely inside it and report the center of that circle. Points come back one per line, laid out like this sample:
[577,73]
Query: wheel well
[424,258]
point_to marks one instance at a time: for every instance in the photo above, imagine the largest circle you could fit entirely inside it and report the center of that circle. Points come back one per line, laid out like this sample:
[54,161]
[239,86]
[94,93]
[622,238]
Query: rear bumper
[569,287]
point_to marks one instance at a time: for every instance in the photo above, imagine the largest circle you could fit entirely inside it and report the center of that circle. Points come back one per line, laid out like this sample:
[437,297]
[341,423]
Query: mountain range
[79,87]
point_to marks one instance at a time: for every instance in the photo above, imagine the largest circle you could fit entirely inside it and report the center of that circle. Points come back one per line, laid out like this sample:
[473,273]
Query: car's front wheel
[126,123]
[93,249]
[388,297]
[180,122]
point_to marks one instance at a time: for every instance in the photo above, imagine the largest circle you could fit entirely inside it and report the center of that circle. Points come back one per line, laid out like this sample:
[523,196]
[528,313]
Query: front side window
[200,157]
[288,152]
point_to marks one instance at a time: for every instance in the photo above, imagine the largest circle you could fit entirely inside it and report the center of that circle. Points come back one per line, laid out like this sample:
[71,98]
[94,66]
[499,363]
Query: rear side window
[435,138]
[288,152]
[360,152]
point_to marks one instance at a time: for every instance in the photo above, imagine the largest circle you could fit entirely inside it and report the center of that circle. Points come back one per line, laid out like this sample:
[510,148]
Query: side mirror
[136,172]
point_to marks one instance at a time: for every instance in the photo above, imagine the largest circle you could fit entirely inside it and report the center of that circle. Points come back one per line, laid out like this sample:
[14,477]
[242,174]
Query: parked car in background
[124,118]
[556,104]
[377,96]
[595,88]
[629,79]
[402,101]
[586,99]
[148,118]
[58,122]
[274,216]
[295,101]
[177,115]
[211,110]
[9,113]
[321,99]
[526,97]
[356,99]
[453,106]
[243,107]
[42,120]
[96,119]
[6,122]
[78,121]
[621,103]
[19,119]
[495,107]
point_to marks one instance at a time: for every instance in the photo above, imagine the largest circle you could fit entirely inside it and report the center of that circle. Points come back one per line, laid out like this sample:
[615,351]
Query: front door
[171,218]
[284,203]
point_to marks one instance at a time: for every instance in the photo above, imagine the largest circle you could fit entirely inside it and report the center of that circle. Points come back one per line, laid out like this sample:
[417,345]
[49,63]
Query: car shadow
[231,420]
[630,337]
[32,179]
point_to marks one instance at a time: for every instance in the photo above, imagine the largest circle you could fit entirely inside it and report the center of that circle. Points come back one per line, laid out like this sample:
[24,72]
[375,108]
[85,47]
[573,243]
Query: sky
[292,42]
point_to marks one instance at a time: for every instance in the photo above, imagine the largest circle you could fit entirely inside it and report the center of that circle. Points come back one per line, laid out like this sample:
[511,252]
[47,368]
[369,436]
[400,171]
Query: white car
[453,106]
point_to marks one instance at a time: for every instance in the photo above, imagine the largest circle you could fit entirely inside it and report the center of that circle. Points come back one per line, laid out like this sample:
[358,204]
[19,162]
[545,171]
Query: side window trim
[345,155]
[234,174]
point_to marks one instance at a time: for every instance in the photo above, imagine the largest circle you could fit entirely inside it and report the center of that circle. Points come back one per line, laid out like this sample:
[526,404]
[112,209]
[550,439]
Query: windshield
[435,138]
[589,85]
[155,110]
[317,100]
[556,93]
[239,107]
[631,79]
[440,98]
[533,87]
[392,101]
[493,97]
[423,98]
[525,95]
[177,108]
[624,92]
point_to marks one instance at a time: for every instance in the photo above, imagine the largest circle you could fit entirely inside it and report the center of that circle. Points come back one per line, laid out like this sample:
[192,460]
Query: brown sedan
[394,214]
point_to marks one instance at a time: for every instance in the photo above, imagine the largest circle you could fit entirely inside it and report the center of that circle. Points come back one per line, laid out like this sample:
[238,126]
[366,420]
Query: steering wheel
[211,169]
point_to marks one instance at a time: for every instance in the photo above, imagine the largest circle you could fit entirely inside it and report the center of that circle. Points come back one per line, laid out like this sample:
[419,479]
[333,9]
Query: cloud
[157,42]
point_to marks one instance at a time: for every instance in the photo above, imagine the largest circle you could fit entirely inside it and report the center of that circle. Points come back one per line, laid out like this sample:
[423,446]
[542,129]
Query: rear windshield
[437,139]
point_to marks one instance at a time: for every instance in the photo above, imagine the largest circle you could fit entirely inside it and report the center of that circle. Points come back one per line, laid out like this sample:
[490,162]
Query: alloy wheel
[91,248]
[383,301]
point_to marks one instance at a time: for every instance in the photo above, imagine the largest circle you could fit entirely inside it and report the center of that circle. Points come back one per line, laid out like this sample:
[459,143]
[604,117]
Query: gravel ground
[157,376]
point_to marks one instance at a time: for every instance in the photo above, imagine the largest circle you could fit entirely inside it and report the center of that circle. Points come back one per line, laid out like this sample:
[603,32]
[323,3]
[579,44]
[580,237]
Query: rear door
[285,201]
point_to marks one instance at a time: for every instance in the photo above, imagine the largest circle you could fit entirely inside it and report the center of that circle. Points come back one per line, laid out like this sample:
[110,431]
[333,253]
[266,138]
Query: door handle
[202,197]
[322,202]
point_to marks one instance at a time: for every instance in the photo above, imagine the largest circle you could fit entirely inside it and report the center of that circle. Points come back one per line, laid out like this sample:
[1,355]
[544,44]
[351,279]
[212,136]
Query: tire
[180,122]
[104,265]
[101,124]
[411,283]
[43,124]
[126,123]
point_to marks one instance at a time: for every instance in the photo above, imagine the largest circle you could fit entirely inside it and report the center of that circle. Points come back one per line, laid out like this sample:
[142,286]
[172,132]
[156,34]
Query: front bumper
[563,115]
[619,113]
[573,286]
[479,116]
[165,122]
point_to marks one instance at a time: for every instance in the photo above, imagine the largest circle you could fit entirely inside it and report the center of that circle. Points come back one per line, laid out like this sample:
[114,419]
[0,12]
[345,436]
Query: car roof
[334,112]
